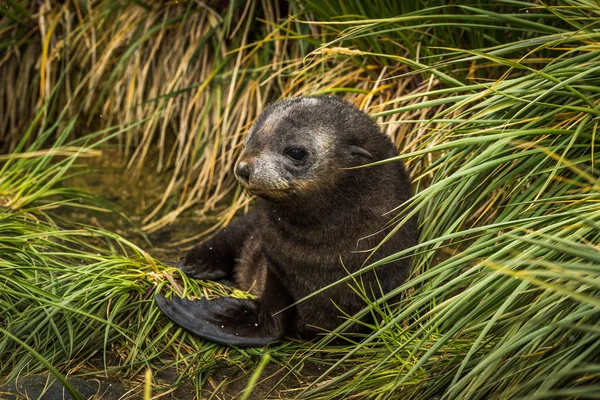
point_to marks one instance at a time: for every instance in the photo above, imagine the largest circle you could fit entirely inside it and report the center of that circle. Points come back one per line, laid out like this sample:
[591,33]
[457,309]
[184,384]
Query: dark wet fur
[289,247]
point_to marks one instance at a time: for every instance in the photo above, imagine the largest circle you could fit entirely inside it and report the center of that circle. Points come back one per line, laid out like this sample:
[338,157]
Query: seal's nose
[242,171]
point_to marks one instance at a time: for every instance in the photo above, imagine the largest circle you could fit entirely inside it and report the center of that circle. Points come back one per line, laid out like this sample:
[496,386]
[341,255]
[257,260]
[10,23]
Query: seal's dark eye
[296,155]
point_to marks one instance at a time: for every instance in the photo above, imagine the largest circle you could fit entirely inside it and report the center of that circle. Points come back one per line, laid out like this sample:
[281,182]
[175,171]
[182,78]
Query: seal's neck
[335,206]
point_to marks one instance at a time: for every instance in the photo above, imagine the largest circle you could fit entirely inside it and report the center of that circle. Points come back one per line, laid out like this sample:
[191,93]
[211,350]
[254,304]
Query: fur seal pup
[311,224]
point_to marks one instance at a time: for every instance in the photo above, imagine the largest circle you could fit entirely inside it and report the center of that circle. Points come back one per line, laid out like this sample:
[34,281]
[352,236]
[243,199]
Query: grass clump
[503,298]
[497,122]
[76,298]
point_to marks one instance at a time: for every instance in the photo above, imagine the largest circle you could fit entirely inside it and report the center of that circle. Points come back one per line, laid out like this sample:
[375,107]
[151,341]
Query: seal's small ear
[359,151]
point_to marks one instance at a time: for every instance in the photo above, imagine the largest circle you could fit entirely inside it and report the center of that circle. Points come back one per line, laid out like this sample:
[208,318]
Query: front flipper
[216,258]
[226,320]
[203,270]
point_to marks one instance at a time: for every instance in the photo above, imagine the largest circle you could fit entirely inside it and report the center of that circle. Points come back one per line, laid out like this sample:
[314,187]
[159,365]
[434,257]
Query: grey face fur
[267,167]
[308,126]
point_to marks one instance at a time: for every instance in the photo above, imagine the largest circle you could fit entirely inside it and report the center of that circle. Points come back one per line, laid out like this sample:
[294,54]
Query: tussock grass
[70,293]
[201,74]
[121,62]
[503,298]
[497,122]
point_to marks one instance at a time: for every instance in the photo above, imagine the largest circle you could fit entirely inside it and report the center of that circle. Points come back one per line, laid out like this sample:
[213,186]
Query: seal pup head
[302,146]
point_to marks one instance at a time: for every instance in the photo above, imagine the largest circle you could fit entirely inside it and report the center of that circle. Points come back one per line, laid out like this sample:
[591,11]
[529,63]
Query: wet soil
[46,387]
[224,383]
[132,195]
